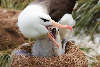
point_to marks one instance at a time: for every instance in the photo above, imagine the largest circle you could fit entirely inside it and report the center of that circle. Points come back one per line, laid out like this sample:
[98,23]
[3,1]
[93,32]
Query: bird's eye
[45,20]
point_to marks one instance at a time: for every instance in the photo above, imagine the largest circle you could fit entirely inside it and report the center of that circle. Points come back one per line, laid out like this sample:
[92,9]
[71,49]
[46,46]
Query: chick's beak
[55,24]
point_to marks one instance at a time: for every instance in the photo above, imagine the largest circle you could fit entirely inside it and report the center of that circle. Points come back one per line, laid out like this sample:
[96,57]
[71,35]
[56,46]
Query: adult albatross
[34,22]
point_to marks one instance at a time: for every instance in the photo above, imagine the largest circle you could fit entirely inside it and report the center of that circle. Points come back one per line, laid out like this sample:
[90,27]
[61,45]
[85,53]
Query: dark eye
[45,20]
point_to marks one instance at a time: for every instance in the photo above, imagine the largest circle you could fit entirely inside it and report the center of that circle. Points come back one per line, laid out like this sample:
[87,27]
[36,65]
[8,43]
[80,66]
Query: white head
[67,19]
[35,14]
[33,20]
[44,19]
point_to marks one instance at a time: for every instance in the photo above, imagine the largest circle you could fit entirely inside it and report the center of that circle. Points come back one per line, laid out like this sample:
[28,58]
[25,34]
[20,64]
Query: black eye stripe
[45,20]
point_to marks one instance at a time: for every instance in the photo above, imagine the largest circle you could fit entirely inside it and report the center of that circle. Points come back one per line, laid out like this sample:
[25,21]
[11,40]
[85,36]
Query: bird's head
[67,19]
[45,20]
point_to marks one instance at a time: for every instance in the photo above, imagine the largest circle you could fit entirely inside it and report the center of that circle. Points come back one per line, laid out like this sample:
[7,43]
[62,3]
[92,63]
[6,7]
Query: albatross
[34,22]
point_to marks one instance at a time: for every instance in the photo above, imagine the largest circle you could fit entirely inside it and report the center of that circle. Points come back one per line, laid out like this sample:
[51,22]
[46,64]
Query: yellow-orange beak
[52,39]
[55,24]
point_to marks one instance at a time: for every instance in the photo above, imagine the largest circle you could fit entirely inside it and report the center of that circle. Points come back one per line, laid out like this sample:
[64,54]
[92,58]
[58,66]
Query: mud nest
[73,57]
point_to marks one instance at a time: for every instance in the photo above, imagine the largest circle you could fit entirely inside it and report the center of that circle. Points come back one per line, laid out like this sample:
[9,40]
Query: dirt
[10,36]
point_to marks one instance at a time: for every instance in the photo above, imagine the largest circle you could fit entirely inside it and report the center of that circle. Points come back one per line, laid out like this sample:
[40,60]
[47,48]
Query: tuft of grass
[85,49]
[5,60]
[87,16]
[14,4]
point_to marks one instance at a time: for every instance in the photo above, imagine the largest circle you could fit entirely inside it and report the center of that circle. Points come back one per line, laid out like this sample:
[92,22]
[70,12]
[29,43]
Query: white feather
[30,24]
[67,19]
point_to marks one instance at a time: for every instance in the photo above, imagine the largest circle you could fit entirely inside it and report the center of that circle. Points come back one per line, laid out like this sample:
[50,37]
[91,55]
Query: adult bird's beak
[52,39]
[55,24]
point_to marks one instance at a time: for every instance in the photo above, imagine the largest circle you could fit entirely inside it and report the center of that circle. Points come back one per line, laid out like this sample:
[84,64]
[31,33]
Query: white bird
[66,34]
[34,22]
[67,19]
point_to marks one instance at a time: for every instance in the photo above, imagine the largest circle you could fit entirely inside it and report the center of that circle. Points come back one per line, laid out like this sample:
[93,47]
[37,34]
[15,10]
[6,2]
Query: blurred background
[86,31]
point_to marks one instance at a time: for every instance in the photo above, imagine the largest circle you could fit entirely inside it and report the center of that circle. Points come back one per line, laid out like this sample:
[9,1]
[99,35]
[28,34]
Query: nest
[73,57]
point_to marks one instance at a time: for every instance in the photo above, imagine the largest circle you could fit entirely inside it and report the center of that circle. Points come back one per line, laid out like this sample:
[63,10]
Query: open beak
[55,24]
[52,39]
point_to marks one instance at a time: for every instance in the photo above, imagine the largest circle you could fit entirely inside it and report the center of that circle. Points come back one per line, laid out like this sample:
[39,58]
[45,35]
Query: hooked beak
[55,24]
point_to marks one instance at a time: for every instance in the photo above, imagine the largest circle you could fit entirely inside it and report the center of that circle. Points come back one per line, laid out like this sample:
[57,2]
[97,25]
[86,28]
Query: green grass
[14,4]
[86,16]
[5,60]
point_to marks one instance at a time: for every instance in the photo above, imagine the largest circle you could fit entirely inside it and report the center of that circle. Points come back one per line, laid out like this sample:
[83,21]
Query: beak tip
[70,28]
